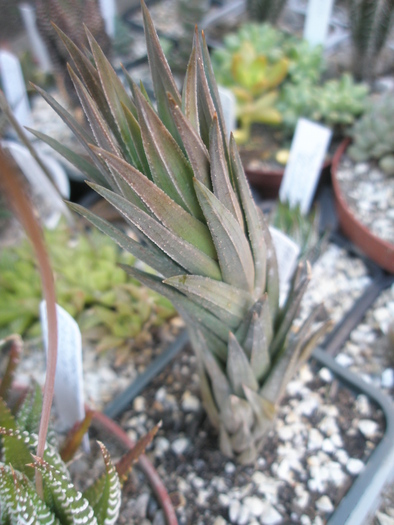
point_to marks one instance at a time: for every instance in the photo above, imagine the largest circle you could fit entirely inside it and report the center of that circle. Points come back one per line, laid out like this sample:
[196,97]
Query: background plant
[300,90]
[110,307]
[265,10]
[370,25]
[172,173]
[373,134]
[62,503]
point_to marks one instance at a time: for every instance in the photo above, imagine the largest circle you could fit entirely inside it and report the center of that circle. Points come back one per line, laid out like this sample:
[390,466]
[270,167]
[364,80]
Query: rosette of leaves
[373,134]
[110,307]
[174,175]
[63,503]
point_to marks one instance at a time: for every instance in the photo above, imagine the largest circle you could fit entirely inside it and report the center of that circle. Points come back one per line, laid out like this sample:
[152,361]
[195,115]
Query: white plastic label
[14,87]
[68,396]
[108,12]
[287,252]
[317,21]
[302,172]
[227,99]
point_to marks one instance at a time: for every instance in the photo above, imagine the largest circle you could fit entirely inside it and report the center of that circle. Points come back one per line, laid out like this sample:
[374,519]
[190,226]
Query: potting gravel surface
[320,442]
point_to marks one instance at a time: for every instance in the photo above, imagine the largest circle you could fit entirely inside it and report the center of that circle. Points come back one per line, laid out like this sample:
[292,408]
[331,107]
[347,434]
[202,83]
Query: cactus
[265,10]
[373,134]
[370,24]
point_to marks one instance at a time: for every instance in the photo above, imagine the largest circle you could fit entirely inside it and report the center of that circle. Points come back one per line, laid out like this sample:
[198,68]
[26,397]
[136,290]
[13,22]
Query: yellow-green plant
[110,307]
[173,174]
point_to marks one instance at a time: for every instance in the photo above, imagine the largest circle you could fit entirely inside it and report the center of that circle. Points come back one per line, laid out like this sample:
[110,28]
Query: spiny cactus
[373,134]
[173,174]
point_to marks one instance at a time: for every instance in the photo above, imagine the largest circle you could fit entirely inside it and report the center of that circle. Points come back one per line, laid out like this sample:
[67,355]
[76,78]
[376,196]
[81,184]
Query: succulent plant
[373,134]
[335,103]
[173,174]
[62,502]
[370,25]
[110,308]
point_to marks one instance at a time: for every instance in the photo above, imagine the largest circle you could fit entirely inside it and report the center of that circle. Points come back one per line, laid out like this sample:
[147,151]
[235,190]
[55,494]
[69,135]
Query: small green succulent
[62,503]
[373,134]
[109,307]
[335,103]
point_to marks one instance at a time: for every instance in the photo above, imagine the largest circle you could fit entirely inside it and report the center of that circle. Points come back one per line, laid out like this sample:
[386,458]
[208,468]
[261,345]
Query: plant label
[108,12]
[14,87]
[302,172]
[68,395]
[38,48]
[227,100]
[287,252]
[317,20]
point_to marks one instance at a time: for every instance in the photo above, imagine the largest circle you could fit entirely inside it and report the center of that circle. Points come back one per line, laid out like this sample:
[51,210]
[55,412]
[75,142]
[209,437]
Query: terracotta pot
[378,250]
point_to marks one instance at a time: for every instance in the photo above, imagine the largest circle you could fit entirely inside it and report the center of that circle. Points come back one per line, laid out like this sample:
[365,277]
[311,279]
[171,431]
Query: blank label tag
[306,159]
[287,252]
[14,87]
[69,396]
[317,21]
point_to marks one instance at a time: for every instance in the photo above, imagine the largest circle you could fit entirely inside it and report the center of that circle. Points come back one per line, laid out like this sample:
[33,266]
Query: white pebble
[162,445]
[190,403]
[271,516]
[344,360]
[388,378]
[315,440]
[326,375]
[354,466]
[139,404]
[324,504]
[368,428]
[362,405]
[255,505]
[229,468]
[180,445]
[233,511]
[220,521]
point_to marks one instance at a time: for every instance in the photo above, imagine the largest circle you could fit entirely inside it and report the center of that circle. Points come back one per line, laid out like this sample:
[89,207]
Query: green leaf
[170,169]
[152,257]
[258,340]
[195,148]
[225,301]
[75,436]
[233,250]
[69,504]
[183,253]
[254,221]
[190,94]
[106,509]
[116,97]
[29,414]
[170,214]
[220,178]
[78,161]
[13,348]
[135,132]
[238,369]
[19,501]
[162,78]
[185,306]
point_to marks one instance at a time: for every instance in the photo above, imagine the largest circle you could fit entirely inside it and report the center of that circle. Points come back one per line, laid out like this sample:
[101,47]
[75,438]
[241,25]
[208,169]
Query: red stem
[24,211]
[145,465]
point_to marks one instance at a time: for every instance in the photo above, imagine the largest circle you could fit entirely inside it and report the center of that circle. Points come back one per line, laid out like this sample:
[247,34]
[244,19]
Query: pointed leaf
[233,250]
[116,97]
[29,414]
[272,278]
[225,301]
[68,503]
[125,463]
[189,93]
[135,132]
[220,178]
[152,257]
[238,369]
[170,214]
[170,169]
[163,80]
[75,159]
[195,148]
[254,222]
[183,253]
[185,306]
[13,347]
[75,436]
[106,509]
